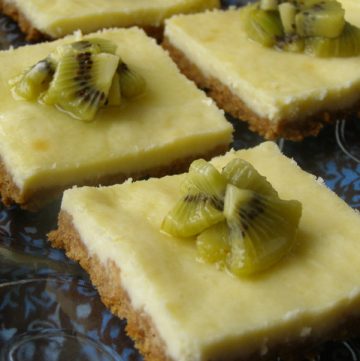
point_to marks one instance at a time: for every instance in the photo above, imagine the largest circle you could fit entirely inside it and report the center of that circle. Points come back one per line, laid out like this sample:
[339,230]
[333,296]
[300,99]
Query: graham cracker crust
[140,327]
[34,34]
[107,280]
[11,194]
[232,104]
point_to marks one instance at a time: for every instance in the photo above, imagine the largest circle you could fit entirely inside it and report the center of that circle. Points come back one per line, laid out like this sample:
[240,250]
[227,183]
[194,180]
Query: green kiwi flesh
[346,45]
[114,97]
[262,229]
[242,174]
[132,84]
[81,83]
[213,244]
[237,217]
[320,18]
[34,81]
[91,45]
[263,26]
[315,27]
[201,204]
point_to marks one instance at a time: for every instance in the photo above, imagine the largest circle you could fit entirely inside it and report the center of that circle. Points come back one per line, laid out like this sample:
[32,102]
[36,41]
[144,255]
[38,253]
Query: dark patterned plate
[48,308]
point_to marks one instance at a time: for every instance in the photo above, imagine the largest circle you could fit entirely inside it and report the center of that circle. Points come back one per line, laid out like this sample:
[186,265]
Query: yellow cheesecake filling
[60,17]
[202,313]
[42,147]
[275,85]
[352,11]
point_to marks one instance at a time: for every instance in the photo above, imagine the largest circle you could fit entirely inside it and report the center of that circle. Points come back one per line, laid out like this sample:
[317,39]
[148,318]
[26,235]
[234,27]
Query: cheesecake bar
[279,93]
[44,150]
[180,309]
[55,19]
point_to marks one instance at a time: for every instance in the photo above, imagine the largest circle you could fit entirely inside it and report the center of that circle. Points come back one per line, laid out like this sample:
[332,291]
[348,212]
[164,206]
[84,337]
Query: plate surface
[49,311]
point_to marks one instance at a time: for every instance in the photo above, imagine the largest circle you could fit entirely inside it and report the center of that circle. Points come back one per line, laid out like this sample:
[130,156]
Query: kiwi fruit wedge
[213,244]
[242,174]
[239,221]
[264,26]
[132,84]
[262,229]
[91,45]
[269,4]
[194,213]
[201,205]
[287,13]
[114,97]
[81,83]
[346,45]
[33,81]
[320,18]
[315,27]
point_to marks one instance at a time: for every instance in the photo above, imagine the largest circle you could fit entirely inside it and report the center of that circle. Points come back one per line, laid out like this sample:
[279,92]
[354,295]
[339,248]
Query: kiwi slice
[81,83]
[287,13]
[346,45]
[213,244]
[242,174]
[114,97]
[91,45]
[132,83]
[320,18]
[34,81]
[201,205]
[262,229]
[191,215]
[263,26]
[269,4]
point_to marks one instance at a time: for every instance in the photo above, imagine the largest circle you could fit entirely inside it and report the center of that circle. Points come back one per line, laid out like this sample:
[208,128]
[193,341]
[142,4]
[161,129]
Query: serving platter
[48,307]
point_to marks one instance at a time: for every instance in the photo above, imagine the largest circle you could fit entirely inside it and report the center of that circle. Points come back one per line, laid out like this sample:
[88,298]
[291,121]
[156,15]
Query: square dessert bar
[44,150]
[57,18]
[180,309]
[280,94]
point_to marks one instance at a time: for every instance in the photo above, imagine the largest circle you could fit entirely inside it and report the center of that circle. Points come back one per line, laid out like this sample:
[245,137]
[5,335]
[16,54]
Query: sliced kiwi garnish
[204,177]
[320,18]
[262,229]
[243,175]
[91,45]
[79,78]
[132,83]
[269,4]
[194,213]
[201,204]
[81,83]
[237,217]
[213,244]
[316,27]
[287,13]
[34,81]
[264,26]
[347,44]
[114,97]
